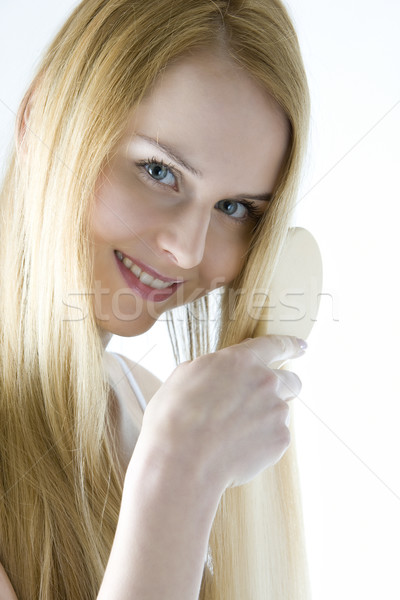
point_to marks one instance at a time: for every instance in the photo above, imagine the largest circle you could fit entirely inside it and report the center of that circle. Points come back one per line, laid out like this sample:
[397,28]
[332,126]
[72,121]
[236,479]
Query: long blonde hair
[60,483]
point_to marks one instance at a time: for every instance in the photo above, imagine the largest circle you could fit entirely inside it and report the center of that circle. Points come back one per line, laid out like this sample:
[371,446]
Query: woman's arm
[216,422]
[162,535]
[161,540]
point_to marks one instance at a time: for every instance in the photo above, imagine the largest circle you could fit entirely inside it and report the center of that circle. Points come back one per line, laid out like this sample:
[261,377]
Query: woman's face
[183,190]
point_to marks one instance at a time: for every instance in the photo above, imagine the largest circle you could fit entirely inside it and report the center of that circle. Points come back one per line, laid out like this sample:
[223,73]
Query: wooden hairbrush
[294,293]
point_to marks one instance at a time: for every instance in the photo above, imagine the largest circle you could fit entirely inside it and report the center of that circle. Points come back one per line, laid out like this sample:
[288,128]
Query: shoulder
[146,380]
[6,589]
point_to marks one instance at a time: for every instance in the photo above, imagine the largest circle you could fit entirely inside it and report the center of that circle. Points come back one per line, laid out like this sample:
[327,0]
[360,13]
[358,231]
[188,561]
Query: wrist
[175,469]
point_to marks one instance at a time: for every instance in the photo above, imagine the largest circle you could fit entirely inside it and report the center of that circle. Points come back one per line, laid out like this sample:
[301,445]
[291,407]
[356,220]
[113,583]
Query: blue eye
[233,209]
[241,212]
[160,172]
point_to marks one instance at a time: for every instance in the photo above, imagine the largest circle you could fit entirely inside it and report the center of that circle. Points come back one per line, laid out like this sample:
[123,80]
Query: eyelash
[254,213]
[143,163]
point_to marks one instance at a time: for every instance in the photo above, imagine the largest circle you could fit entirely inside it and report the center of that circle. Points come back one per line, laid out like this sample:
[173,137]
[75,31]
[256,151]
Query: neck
[105,337]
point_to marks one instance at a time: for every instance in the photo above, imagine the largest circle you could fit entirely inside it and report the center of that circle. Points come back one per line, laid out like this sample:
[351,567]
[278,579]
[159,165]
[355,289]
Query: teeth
[160,285]
[146,278]
[127,262]
[142,275]
[136,270]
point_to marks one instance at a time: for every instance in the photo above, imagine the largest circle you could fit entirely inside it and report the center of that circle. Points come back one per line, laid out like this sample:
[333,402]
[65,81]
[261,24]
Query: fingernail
[302,344]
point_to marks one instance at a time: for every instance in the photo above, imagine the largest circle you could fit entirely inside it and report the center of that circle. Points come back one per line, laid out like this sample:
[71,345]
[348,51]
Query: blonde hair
[60,484]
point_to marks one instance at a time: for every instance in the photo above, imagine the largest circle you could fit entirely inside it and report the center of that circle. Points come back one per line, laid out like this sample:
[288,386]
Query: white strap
[132,381]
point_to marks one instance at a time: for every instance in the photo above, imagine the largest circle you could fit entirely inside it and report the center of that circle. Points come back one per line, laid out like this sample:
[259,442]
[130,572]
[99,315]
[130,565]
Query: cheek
[223,261]
[118,214]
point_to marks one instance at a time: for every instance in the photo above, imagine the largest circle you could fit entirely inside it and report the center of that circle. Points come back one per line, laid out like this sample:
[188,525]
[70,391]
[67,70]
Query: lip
[141,289]
[151,271]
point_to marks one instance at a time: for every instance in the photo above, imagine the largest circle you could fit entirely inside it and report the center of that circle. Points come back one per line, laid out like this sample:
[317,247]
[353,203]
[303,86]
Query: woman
[157,158]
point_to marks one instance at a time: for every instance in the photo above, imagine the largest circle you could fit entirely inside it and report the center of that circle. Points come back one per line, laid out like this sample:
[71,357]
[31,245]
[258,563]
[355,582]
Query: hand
[225,414]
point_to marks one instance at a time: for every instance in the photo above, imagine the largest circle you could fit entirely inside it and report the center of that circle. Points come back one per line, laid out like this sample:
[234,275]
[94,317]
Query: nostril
[171,256]
[184,239]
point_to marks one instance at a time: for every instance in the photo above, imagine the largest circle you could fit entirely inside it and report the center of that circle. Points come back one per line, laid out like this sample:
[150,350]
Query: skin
[217,421]
[219,121]
[221,419]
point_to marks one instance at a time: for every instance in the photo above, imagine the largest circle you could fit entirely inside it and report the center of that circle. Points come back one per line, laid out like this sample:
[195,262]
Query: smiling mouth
[143,276]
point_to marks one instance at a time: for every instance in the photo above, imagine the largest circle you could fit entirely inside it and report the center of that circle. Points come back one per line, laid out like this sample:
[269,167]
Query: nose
[183,235]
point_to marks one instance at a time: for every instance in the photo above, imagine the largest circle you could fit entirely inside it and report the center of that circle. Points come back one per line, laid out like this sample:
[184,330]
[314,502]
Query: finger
[276,348]
[289,384]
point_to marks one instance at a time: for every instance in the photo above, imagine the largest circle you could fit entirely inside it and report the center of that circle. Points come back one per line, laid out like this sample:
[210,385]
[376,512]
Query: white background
[347,414]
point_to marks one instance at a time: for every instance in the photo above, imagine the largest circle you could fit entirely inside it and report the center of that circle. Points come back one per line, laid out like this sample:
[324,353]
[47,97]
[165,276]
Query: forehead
[213,111]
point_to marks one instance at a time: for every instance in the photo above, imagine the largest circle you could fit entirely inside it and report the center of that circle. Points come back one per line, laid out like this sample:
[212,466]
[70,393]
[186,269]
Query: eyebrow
[262,197]
[172,154]
[168,150]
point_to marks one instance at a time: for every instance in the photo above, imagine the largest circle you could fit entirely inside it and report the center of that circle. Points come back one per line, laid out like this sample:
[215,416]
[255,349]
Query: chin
[127,328]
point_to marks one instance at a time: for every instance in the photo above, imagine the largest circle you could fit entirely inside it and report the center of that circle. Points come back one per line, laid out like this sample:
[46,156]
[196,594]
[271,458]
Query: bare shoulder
[6,589]
[146,380]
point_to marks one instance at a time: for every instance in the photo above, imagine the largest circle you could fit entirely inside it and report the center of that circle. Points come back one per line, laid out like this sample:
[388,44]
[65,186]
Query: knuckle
[291,383]
[282,410]
[242,355]
[236,356]
[246,351]
[286,344]
[285,436]
[270,380]
[183,369]
[183,365]
[282,343]
[278,342]
[281,444]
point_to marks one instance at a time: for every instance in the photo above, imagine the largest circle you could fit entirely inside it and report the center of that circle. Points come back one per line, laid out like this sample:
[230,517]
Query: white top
[128,373]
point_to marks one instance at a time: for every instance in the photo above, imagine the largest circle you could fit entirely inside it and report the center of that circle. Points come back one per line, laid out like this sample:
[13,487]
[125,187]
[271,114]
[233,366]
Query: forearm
[163,531]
